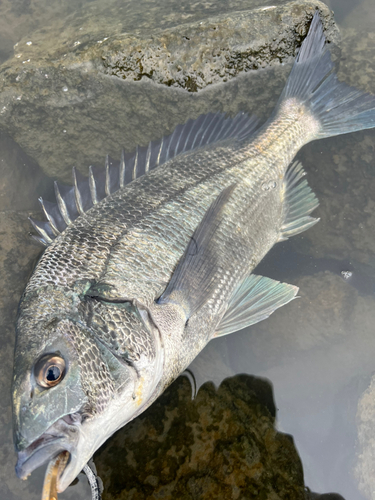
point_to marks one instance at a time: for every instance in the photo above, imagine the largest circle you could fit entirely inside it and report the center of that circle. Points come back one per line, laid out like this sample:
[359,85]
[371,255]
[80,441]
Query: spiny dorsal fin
[86,192]
[299,202]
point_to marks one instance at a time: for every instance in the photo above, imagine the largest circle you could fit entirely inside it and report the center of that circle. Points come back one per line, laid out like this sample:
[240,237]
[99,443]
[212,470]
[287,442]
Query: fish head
[70,392]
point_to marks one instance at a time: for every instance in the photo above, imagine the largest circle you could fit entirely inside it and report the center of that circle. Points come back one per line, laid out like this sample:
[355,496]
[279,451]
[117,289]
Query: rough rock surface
[223,444]
[217,49]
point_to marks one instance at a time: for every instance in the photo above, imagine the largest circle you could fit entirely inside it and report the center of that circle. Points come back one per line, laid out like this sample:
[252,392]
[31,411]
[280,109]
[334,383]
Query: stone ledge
[217,49]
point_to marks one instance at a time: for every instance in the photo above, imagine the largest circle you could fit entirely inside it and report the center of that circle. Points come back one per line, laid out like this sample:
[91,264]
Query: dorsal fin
[86,192]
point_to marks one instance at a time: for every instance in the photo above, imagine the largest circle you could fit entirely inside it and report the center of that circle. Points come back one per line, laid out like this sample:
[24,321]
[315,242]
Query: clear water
[318,352]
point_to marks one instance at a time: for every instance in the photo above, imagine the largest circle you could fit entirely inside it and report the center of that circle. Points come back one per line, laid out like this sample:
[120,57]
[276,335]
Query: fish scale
[175,214]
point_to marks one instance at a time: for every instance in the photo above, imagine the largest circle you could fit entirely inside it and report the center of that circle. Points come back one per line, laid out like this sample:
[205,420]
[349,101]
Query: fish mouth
[37,454]
[61,436]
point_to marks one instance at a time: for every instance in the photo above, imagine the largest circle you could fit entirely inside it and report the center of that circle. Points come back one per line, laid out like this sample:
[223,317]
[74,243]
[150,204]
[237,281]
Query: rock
[223,444]
[60,101]
[216,49]
[324,496]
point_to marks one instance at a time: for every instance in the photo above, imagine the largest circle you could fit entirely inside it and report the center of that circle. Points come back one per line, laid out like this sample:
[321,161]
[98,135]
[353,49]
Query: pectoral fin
[193,281]
[256,299]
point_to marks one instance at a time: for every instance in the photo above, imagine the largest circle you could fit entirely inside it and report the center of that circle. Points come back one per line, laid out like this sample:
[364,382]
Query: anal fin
[299,202]
[254,300]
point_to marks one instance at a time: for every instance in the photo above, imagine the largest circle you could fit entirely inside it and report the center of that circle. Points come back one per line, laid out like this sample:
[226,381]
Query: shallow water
[317,353]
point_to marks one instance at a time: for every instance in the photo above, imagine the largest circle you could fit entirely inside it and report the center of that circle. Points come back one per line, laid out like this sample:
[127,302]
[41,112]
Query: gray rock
[217,49]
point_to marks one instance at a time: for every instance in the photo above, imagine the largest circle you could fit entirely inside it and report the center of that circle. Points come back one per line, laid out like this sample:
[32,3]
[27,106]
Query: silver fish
[148,262]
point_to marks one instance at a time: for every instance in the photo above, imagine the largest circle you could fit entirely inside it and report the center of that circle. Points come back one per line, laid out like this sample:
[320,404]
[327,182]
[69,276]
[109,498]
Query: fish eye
[49,370]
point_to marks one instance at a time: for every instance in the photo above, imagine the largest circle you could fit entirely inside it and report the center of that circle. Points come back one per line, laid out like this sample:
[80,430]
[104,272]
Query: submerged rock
[21,178]
[223,444]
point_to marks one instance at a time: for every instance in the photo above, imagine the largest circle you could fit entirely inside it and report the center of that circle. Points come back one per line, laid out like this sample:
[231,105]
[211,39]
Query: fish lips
[61,436]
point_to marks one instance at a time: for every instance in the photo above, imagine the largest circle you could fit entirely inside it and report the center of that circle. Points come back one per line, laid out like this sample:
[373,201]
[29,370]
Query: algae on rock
[223,444]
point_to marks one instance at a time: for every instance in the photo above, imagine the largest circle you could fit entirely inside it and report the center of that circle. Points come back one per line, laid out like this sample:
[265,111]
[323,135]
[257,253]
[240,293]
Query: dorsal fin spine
[134,172]
[49,217]
[187,139]
[201,127]
[177,148]
[77,194]
[122,169]
[62,205]
[168,147]
[148,156]
[160,150]
[73,201]
[218,135]
[39,227]
[213,131]
[92,184]
[107,177]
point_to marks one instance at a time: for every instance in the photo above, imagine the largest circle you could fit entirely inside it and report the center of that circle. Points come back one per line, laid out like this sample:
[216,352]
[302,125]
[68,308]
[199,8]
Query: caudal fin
[338,107]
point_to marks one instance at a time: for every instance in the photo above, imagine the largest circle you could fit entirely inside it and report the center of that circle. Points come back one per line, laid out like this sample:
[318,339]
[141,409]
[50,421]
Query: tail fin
[338,107]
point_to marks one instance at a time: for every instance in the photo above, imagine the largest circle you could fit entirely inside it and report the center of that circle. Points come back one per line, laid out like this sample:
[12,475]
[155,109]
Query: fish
[153,257]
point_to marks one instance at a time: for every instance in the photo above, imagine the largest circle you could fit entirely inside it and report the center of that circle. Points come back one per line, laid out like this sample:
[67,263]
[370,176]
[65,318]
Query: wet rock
[60,101]
[217,49]
[73,30]
[223,444]
[324,496]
